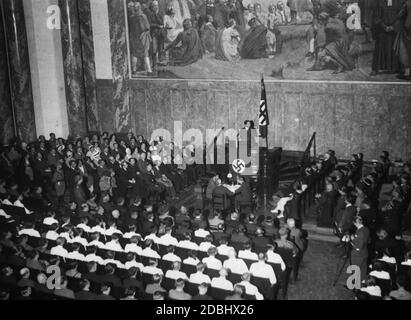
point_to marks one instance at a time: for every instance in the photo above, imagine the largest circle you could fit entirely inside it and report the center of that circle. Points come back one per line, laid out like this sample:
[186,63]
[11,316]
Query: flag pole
[266,136]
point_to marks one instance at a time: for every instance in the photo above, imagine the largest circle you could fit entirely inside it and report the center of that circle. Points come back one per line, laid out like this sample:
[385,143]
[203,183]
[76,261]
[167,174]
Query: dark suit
[260,244]
[223,191]
[326,205]
[359,253]
[293,208]
[243,194]
[346,223]
[85,295]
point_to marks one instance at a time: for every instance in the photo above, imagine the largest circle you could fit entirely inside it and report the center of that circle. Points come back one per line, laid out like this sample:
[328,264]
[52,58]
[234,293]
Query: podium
[268,178]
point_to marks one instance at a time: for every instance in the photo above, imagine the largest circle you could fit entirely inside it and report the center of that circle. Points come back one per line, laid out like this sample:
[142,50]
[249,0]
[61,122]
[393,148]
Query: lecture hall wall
[348,117]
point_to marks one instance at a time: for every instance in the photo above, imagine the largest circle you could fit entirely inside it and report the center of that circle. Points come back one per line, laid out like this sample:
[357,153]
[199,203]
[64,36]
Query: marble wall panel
[6,114]
[89,65]
[73,67]
[19,63]
[347,118]
[119,54]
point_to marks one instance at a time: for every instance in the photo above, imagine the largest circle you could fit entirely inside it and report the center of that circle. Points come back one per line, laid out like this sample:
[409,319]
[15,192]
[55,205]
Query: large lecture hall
[182,150]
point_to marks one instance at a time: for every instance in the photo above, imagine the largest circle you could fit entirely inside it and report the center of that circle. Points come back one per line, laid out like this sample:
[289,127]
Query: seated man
[221,191]
[401,293]
[206,244]
[61,289]
[176,272]
[223,249]
[178,293]
[199,277]
[246,253]
[379,272]
[105,292]
[85,293]
[235,265]
[132,281]
[192,259]
[221,282]
[211,261]
[156,285]
[371,287]
[202,231]
[129,294]
[152,268]
[238,294]
[149,252]
[187,243]
[170,256]
[250,289]
[243,195]
[202,293]
[168,239]
[261,269]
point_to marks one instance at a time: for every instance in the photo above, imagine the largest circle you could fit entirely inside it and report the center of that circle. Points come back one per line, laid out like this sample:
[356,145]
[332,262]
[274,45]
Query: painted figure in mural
[367,8]
[236,11]
[283,13]
[262,19]
[333,45]
[186,48]
[181,9]
[273,21]
[255,41]
[156,26]
[298,8]
[208,35]
[227,44]
[207,8]
[312,31]
[140,38]
[132,21]
[220,14]
[386,30]
[403,42]
[248,15]
[172,28]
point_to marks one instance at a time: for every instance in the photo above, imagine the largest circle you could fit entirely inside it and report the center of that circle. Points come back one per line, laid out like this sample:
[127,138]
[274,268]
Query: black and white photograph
[232,152]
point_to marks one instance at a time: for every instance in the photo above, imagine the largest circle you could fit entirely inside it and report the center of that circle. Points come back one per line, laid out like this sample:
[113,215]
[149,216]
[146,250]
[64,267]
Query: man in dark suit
[219,191]
[85,293]
[243,194]
[360,240]
[202,293]
[260,242]
[348,215]
[292,209]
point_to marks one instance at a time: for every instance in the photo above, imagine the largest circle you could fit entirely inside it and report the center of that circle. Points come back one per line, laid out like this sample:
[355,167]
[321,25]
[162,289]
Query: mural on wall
[361,40]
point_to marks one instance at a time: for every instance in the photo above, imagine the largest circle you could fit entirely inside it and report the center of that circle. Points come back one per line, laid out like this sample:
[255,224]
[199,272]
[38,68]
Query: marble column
[6,114]
[73,68]
[89,65]
[120,63]
[19,63]
[46,65]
